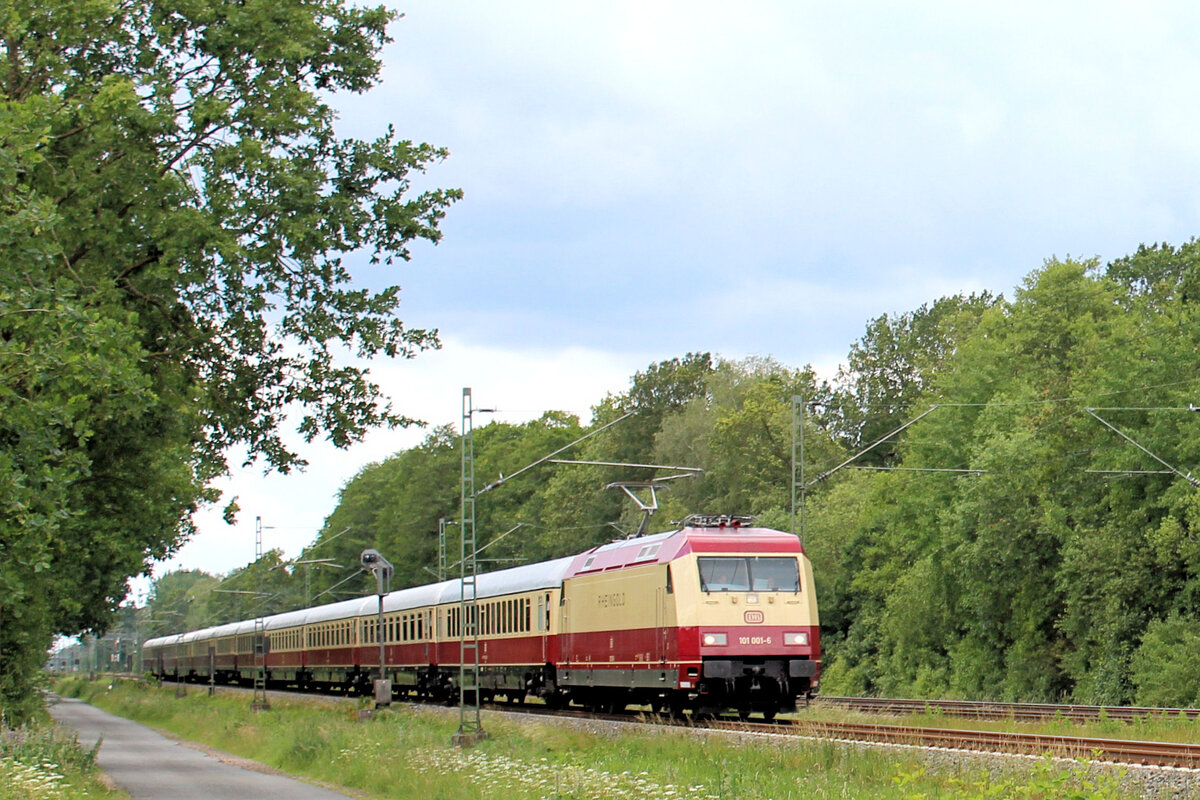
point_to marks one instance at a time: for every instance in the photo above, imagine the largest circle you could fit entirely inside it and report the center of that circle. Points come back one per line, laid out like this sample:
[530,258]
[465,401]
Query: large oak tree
[175,205]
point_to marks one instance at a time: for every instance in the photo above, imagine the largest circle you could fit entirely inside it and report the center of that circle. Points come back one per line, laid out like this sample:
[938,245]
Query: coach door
[564,629]
[542,622]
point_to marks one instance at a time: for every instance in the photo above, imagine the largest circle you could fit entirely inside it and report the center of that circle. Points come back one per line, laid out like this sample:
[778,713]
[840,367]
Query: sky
[646,179]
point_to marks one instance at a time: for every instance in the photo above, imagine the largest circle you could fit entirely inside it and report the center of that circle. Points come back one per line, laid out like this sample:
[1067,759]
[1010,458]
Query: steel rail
[986,709]
[1125,751]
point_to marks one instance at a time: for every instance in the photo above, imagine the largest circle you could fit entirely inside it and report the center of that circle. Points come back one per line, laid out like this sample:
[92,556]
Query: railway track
[975,709]
[1122,751]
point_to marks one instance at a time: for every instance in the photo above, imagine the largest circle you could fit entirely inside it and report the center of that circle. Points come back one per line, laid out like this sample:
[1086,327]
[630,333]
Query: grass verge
[42,762]
[406,753]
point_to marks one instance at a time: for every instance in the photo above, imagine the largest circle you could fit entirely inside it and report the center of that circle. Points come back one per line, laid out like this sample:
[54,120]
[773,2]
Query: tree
[892,365]
[579,512]
[739,430]
[175,208]
[179,601]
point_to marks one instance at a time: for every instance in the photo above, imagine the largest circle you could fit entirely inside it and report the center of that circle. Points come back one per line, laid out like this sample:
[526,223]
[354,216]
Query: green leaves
[175,206]
[1050,561]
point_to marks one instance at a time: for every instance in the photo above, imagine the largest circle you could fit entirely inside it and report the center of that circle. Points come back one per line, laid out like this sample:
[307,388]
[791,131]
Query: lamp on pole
[381,568]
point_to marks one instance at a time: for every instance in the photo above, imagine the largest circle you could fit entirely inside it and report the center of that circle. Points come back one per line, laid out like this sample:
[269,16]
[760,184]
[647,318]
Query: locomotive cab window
[749,574]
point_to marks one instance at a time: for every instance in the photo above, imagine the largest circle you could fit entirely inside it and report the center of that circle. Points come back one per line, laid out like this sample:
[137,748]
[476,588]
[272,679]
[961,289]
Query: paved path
[150,766]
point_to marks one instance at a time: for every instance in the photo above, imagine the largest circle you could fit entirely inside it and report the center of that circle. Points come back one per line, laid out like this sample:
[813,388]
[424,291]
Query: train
[716,616]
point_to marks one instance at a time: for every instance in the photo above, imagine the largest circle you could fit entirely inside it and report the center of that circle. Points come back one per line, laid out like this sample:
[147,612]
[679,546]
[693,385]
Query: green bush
[1163,667]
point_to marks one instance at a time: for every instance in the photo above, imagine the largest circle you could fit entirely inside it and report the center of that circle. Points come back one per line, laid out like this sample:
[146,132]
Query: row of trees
[1011,544]
[1066,565]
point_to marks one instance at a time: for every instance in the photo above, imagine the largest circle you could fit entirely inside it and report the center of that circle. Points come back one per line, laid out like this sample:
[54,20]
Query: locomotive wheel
[614,706]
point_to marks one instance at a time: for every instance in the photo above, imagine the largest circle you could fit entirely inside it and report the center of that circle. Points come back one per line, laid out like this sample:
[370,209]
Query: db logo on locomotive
[753,617]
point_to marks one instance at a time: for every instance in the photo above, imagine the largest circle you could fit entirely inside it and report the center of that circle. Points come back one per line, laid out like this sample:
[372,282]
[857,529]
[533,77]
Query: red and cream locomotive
[716,615]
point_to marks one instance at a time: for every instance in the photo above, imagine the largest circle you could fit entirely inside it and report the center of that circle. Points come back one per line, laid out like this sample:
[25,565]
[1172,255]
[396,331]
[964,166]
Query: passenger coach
[717,615]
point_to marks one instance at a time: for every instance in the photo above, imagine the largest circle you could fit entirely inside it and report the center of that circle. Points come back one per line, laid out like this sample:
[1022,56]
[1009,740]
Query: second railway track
[976,709]
[1124,751]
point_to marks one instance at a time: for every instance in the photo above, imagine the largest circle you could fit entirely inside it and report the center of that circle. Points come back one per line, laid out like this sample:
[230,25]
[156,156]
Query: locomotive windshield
[749,574]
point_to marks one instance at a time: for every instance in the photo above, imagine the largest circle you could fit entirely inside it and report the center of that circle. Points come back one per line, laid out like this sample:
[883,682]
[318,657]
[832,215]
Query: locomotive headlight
[712,639]
[796,638]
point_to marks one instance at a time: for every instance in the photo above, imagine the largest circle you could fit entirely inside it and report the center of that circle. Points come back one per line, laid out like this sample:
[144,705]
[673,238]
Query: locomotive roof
[661,548]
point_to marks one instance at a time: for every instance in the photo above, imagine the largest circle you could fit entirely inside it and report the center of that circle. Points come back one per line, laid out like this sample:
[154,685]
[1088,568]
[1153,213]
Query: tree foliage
[1037,575]
[175,209]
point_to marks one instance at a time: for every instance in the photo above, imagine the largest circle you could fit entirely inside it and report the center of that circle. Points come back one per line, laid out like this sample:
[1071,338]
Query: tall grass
[407,753]
[39,761]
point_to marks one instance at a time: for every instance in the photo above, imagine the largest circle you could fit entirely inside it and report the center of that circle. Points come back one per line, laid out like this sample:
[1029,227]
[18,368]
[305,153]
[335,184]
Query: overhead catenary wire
[965,469]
